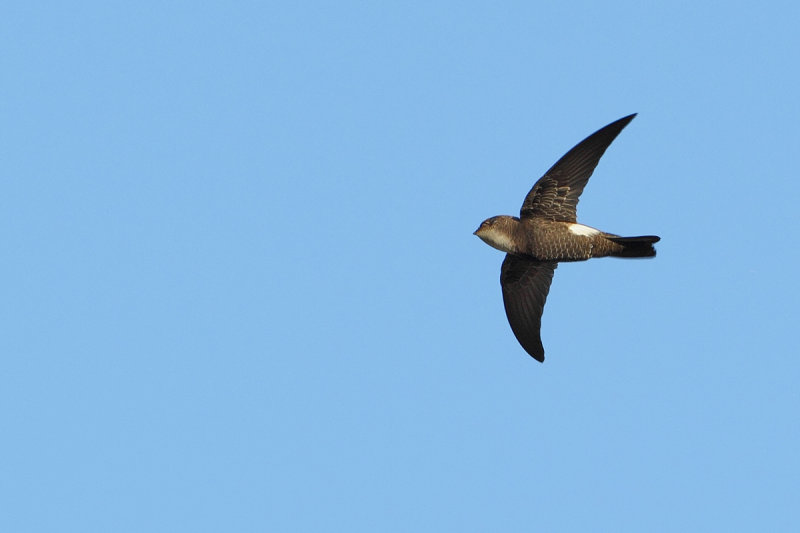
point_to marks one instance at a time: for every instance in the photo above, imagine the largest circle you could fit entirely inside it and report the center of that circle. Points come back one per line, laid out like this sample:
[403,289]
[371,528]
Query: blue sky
[241,290]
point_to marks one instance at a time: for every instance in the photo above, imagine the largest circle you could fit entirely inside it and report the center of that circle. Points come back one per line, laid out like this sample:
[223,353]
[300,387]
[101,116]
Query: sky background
[240,290]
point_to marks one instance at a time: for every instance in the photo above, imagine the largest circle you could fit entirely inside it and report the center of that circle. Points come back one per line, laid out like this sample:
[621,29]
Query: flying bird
[547,232]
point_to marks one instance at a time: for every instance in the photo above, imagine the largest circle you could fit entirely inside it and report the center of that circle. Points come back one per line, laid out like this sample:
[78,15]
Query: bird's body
[549,240]
[547,232]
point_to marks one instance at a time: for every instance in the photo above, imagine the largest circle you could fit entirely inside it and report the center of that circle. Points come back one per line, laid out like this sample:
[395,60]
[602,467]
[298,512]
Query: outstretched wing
[525,283]
[555,195]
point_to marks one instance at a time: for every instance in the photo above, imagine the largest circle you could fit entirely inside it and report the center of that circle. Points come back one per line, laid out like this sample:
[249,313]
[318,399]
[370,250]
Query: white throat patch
[499,240]
[583,231]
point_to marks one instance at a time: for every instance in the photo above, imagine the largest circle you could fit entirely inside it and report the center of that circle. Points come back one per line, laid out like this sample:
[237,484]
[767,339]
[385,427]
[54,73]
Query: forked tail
[635,246]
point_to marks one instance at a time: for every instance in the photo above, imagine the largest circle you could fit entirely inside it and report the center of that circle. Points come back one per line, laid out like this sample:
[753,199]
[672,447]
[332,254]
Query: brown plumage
[547,233]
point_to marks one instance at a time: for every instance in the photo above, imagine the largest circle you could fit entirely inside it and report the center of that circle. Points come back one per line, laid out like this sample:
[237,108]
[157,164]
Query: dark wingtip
[624,120]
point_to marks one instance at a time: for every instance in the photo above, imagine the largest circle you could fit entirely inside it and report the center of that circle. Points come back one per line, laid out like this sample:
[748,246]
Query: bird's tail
[635,246]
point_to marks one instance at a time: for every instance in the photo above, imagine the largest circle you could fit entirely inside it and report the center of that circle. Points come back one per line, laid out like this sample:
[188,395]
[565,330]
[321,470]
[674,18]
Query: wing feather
[526,282]
[555,196]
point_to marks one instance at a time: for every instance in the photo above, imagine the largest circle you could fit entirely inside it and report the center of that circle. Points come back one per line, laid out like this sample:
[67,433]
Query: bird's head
[497,232]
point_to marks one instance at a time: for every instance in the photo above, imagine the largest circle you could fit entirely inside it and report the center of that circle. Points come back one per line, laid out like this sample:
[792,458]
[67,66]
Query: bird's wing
[525,283]
[555,195]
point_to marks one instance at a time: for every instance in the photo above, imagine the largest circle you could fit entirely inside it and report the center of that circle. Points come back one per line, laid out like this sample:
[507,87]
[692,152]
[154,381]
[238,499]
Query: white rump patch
[583,231]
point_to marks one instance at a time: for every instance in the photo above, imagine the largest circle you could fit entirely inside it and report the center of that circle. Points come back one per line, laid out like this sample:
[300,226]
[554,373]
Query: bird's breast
[557,241]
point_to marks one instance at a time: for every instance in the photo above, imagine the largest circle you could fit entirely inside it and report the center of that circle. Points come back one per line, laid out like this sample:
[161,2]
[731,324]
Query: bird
[547,232]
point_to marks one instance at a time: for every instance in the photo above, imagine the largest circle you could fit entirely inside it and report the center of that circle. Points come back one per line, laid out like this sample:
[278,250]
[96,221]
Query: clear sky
[241,291]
